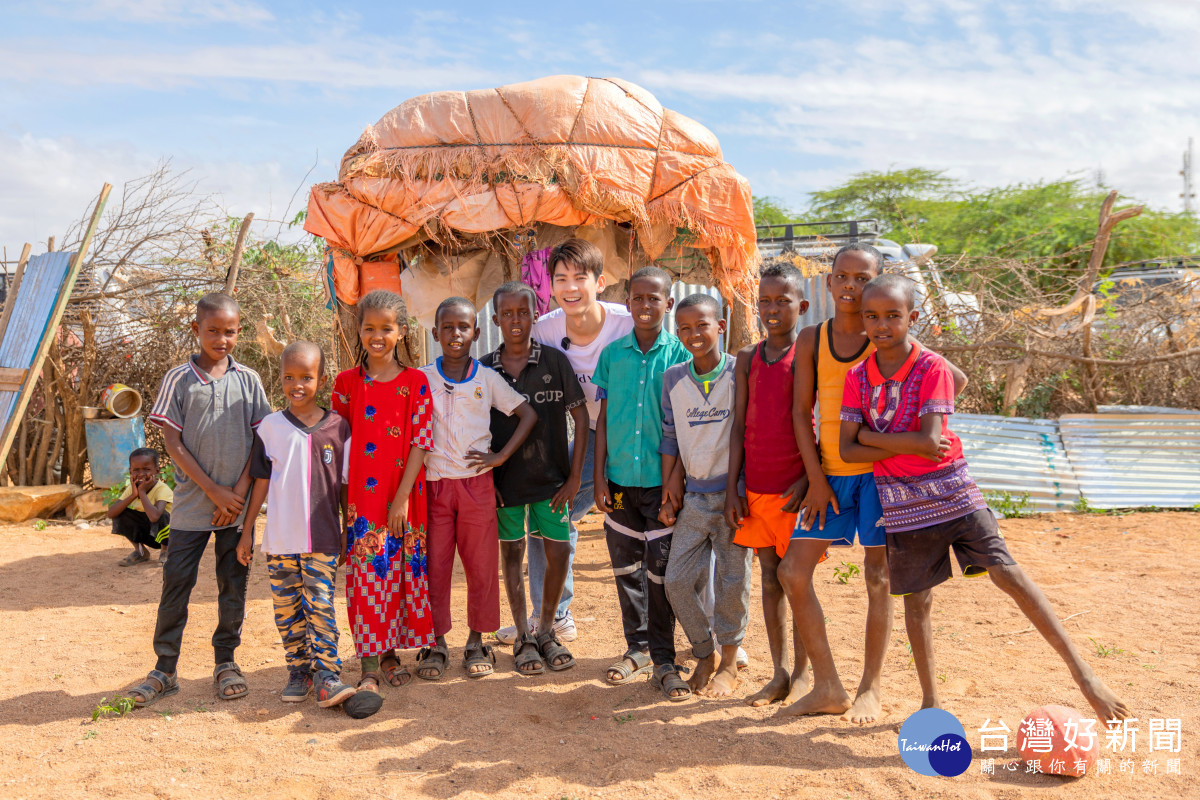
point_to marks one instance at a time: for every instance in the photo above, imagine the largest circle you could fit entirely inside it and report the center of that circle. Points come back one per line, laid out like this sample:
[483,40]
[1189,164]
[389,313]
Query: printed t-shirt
[914,491]
[543,463]
[462,417]
[159,491]
[773,461]
[216,421]
[551,329]
[632,383]
[306,469]
[697,415]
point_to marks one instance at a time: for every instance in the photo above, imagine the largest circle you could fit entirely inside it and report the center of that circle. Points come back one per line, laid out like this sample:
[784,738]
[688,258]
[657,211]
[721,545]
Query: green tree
[771,211]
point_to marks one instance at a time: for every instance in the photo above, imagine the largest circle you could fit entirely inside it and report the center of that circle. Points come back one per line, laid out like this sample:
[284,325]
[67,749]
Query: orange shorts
[767,524]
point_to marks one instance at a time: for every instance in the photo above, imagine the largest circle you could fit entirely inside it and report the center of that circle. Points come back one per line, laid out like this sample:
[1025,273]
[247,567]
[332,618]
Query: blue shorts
[860,512]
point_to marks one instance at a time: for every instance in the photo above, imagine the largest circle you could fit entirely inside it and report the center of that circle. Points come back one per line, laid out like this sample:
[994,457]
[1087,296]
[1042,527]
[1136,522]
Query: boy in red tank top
[763,510]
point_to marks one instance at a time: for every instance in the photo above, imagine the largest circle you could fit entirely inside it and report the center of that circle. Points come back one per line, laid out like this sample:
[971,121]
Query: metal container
[109,443]
[121,401]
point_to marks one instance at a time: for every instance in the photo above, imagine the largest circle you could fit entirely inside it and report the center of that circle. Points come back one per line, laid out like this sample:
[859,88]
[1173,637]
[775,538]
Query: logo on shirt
[478,392]
[327,454]
[547,378]
[705,416]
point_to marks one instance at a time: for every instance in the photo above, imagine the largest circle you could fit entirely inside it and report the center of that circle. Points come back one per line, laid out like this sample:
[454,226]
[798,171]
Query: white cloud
[162,11]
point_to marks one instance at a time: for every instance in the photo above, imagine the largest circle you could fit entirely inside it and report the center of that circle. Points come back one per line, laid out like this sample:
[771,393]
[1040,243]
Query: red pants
[462,516]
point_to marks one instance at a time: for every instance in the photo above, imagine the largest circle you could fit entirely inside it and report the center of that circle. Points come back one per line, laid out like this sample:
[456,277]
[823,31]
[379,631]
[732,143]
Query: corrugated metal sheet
[32,309]
[1018,455]
[1135,460]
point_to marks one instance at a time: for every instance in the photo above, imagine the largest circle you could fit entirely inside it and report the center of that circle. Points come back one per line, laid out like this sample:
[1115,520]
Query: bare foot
[821,700]
[724,681]
[773,692]
[930,702]
[1102,700]
[798,687]
[704,671]
[867,707]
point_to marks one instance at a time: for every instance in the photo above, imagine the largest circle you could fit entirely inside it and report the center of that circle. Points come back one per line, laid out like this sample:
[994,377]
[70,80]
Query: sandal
[641,666]
[427,655]
[134,558]
[551,649]
[666,677]
[395,674]
[526,653]
[234,679]
[479,655]
[373,677]
[146,693]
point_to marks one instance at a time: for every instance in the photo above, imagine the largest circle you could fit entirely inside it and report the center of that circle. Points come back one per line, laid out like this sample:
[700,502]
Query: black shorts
[920,559]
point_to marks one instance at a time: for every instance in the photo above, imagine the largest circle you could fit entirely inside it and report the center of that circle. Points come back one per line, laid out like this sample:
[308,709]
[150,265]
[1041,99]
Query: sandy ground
[78,630]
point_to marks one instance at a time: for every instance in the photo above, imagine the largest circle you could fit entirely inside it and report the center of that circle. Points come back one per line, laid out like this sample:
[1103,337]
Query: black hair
[579,252]
[301,347]
[455,302]
[144,452]
[516,287]
[892,282]
[214,302]
[862,247]
[383,300]
[653,274]
[786,273]
[699,300]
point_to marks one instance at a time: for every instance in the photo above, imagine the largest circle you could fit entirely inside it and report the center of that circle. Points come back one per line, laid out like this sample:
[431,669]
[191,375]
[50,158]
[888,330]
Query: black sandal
[666,678]
[479,655]
[551,648]
[526,652]
[230,681]
[147,694]
[427,655]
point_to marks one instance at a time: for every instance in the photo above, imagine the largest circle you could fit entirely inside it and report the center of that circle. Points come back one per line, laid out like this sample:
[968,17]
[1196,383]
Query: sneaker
[332,692]
[509,635]
[565,628]
[299,684]
[743,660]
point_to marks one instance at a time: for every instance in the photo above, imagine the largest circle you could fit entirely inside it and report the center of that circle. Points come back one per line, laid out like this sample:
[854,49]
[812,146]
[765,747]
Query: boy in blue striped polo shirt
[629,485]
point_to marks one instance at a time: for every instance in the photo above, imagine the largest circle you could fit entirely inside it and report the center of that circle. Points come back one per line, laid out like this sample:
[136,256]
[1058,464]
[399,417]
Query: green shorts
[542,521]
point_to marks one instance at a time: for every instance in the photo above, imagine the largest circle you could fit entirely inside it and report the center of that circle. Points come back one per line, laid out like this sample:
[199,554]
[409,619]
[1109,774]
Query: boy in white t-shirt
[580,327]
[462,495]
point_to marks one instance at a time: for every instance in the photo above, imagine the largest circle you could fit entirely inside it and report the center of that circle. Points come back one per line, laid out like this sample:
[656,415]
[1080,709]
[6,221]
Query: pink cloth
[536,273]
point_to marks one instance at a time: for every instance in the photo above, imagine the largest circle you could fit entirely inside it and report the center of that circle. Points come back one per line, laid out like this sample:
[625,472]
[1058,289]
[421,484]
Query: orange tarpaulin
[563,150]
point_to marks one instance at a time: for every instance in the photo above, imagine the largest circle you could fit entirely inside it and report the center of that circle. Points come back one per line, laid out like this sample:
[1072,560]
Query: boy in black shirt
[535,487]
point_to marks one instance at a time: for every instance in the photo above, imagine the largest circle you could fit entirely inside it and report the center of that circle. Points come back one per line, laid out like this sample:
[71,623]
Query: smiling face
[380,332]
[142,469]
[699,328]
[780,304]
[301,377]
[649,301]
[514,317]
[887,316]
[574,288]
[217,333]
[853,270]
[455,330]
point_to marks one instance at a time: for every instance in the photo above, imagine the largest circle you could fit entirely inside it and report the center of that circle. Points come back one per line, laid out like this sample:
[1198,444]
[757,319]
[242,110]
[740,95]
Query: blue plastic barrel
[109,443]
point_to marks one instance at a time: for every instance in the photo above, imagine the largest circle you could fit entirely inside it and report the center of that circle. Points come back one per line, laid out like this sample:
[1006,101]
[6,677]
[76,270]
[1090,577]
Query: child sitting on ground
[535,488]
[629,482]
[894,413]
[697,406]
[462,492]
[142,514]
[761,440]
[298,465]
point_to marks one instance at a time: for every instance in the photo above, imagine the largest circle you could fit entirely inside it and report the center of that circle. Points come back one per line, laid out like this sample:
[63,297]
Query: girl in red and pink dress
[390,413]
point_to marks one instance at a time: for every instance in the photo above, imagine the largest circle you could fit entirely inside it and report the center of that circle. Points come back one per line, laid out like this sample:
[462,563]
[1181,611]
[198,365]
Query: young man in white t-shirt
[581,327]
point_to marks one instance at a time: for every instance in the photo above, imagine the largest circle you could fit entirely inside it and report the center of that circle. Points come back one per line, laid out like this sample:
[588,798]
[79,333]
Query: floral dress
[387,590]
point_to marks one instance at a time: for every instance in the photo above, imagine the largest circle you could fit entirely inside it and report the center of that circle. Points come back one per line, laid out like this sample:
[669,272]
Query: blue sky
[247,95]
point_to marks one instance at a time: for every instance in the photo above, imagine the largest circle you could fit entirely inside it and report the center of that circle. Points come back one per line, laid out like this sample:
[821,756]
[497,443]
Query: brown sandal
[394,673]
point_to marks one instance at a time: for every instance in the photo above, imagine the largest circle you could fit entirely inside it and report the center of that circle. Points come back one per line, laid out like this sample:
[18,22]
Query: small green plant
[117,707]
[39,524]
[942,677]
[1103,651]
[845,573]
[912,660]
[621,719]
[90,735]
[1010,506]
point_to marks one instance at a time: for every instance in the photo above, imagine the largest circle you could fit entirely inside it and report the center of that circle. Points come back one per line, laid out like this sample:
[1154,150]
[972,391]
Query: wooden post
[235,264]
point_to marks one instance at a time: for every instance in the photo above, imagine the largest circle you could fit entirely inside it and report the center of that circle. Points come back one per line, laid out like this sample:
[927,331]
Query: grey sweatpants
[700,535]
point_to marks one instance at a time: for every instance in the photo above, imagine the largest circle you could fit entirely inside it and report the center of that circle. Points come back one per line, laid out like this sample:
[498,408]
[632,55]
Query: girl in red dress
[390,413]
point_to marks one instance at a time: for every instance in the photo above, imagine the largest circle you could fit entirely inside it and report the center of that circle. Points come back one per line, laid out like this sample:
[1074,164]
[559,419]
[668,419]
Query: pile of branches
[1045,343]
[156,252]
